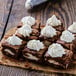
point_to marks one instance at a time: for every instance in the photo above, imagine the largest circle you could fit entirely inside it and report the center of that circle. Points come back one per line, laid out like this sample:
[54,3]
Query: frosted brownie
[57,56]
[48,35]
[29,30]
[66,39]
[34,50]
[55,23]
[12,46]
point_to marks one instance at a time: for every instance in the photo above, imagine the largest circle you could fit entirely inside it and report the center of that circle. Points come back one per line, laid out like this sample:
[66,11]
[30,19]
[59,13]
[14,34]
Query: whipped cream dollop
[35,45]
[67,36]
[72,27]
[48,31]
[56,50]
[53,21]
[14,40]
[28,20]
[25,30]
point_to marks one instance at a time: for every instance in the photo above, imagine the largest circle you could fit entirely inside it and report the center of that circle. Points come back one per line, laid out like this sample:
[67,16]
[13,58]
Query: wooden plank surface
[65,10]
[4,12]
[18,11]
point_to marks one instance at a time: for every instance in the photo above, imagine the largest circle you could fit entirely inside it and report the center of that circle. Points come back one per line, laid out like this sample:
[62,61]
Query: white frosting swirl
[35,45]
[25,30]
[28,20]
[53,21]
[14,40]
[67,36]
[48,31]
[72,27]
[56,50]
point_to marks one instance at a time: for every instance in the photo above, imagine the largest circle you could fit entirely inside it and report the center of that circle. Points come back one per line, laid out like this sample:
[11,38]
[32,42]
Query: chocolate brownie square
[57,61]
[33,34]
[48,40]
[31,51]
[66,39]
[56,23]
[10,50]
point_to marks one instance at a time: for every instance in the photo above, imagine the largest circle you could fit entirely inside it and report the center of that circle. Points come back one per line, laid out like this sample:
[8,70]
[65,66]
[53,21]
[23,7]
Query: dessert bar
[55,23]
[12,46]
[34,51]
[67,41]
[48,35]
[57,56]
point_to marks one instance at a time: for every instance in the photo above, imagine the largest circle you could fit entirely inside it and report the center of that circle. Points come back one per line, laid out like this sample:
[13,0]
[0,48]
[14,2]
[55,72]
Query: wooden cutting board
[30,65]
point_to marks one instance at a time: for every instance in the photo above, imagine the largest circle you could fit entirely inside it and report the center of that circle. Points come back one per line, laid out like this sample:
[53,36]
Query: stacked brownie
[12,46]
[48,43]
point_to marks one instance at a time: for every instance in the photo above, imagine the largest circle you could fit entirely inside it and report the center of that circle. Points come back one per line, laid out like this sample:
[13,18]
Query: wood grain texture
[4,11]
[18,11]
[65,10]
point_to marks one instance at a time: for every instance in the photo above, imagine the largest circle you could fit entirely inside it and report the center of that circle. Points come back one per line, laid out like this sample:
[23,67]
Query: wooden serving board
[30,65]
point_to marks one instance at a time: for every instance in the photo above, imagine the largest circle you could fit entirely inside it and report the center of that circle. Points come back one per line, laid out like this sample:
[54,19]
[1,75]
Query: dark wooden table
[11,12]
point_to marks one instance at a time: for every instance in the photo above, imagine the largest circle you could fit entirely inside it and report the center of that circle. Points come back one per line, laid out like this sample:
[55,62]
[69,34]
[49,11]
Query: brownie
[33,55]
[48,40]
[13,51]
[59,62]
[33,35]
